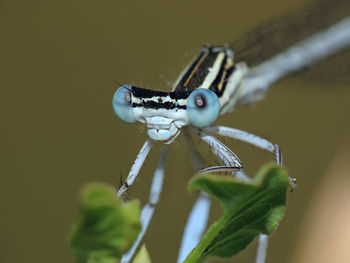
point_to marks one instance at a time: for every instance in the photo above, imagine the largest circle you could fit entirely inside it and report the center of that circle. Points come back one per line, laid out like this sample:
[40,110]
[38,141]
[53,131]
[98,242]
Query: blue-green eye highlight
[122,104]
[203,107]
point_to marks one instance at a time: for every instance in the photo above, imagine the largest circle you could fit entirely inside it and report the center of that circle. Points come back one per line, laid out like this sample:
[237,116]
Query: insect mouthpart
[162,129]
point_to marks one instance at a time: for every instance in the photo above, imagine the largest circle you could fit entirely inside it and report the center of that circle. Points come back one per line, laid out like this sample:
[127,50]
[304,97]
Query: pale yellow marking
[195,69]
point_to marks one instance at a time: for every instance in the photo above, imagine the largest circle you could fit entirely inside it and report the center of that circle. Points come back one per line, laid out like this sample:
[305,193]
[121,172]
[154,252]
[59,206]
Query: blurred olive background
[58,63]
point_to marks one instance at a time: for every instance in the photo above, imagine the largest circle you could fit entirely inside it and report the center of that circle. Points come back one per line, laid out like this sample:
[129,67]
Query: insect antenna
[117,82]
[121,181]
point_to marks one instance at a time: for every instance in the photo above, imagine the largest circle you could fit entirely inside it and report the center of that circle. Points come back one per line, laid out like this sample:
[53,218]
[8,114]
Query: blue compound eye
[122,104]
[203,107]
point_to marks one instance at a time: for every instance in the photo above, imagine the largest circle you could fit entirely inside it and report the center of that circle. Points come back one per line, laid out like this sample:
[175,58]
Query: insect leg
[198,218]
[197,159]
[148,209]
[195,226]
[251,139]
[229,159]
[262,248]
[248,138]
[135,168]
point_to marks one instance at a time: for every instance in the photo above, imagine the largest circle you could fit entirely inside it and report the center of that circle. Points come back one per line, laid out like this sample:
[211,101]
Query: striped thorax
[208,87]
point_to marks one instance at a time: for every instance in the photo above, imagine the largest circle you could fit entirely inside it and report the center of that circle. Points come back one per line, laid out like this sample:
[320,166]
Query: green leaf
[105,228]
[142,256]
[249,209]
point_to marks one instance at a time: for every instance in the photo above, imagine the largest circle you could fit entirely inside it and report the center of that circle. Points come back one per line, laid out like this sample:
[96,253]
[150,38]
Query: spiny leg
[229,159]
[224,153]
[148,209]
[248,138]
[135,168]
[226,156]
[219,149]
[251,139]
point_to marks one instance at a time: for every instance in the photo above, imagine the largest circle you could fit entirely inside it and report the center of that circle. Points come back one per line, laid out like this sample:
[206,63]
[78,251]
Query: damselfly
[210,86]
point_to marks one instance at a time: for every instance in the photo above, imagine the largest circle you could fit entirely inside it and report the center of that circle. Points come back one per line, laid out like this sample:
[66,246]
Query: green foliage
[142,256]
[105,228]
[249,209]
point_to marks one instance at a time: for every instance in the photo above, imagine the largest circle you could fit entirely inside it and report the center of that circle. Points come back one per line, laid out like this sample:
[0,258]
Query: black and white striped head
[165,113]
